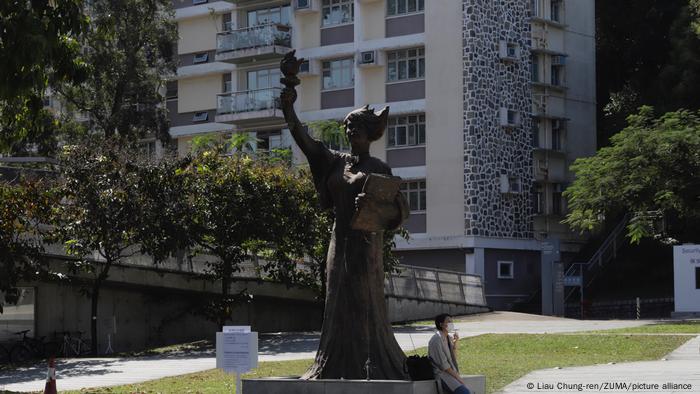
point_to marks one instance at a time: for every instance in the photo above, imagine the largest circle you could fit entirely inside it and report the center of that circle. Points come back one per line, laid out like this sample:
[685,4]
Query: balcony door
[263,87]
[264,16]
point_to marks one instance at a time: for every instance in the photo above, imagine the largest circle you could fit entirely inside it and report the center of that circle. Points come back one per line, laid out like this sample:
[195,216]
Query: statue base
[475,383]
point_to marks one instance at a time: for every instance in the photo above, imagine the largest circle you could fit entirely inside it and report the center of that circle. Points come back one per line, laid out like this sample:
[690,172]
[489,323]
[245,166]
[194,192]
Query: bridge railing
[432,284]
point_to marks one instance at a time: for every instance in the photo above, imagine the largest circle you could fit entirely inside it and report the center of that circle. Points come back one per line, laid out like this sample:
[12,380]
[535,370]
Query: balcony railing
[249,101]
[254,37]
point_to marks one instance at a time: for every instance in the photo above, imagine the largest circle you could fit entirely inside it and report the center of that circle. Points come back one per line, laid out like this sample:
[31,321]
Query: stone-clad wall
[490,149]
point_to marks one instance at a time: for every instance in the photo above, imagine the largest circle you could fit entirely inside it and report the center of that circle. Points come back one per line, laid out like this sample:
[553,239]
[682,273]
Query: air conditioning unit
[200,116]
[508,51]
[310,67]
[508,117]
[510,184]
[558,60]
[303,6]
[200,58]
[367,58]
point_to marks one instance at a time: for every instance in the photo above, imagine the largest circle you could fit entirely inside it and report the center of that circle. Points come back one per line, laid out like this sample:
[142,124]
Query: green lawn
[683,327]
[502,358]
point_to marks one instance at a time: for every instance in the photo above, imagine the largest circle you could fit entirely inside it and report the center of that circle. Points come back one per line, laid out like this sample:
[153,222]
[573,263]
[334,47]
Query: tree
[652,170]
[246,207]
[38,47]
[22,206]
[99,211]
[130,51]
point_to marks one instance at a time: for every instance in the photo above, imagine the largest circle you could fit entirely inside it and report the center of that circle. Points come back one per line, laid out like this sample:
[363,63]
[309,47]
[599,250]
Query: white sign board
[241,329]
[236,351]
[686,278]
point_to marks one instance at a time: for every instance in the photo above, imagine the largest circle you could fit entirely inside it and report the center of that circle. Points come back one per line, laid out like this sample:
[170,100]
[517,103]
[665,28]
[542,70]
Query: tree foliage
[649,57]
[39,46]
[651,169]
[23,206]
[129,50]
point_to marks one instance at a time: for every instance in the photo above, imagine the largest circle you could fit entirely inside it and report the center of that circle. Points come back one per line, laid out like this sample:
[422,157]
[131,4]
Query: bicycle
[27,348]
[73,346]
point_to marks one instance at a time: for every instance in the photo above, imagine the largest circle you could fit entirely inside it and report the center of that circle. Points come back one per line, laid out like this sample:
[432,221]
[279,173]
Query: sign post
[236,351]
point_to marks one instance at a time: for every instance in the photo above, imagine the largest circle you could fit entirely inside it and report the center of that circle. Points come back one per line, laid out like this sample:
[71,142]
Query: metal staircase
[583,274]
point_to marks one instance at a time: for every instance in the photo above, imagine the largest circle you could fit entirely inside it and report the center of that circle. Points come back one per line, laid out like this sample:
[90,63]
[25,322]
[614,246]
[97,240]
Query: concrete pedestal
[475,383]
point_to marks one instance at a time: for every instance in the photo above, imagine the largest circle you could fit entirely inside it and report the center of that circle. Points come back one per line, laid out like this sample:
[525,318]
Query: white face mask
[450,326]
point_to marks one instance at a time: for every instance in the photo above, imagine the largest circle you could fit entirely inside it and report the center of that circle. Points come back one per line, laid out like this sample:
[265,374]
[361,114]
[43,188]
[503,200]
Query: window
[535,133]
[505,270]
[226,23]
[406,130]
[171,90]
[556,75]
[535,68]
[281,15]
[405,64]
[415,195]
[200,116]
[227,84]
[264,79]
[556,10]
[535,8]
[538,200]
[557,199]
[556,135]
[400,7]
[336,12]
[338,74]
[697,277]
[148,148]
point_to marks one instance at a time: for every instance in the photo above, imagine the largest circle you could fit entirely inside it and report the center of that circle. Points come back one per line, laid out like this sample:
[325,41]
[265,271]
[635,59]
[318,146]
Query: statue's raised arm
[290,68]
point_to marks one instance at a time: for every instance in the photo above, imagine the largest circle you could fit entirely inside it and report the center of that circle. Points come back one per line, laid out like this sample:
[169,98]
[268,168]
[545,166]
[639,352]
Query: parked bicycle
[74,346]
[27,348]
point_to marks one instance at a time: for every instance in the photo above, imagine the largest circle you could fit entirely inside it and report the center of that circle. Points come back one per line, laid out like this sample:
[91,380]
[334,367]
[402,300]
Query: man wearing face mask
[442,351]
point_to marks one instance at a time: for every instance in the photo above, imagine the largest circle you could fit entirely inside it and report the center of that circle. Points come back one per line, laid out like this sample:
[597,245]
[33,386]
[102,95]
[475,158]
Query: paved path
[680,367]
[75,374]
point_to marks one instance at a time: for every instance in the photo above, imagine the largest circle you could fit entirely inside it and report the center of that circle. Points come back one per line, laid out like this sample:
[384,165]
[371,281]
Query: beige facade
[412,61]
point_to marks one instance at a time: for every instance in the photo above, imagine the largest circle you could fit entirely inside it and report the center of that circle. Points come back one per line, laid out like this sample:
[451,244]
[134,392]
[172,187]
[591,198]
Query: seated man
[442,352]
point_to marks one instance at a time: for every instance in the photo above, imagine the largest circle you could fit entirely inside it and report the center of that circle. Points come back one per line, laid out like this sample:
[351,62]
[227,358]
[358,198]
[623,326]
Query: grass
[502,358]
[681,327]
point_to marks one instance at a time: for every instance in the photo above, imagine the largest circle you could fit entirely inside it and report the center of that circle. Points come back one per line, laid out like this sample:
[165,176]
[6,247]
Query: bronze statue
[357,341]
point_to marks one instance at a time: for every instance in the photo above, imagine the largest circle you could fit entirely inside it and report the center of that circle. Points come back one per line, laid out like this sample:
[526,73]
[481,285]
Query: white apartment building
[491,101]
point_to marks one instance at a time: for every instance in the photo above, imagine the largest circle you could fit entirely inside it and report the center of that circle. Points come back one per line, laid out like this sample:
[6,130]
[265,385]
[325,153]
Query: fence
[650,308]
[435,285]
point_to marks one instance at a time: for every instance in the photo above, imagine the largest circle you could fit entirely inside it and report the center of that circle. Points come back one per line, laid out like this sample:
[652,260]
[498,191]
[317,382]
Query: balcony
[251,106]
[257,42]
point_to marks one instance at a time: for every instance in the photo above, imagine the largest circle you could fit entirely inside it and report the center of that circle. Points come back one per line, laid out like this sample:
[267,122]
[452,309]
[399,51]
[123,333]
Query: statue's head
[363,126]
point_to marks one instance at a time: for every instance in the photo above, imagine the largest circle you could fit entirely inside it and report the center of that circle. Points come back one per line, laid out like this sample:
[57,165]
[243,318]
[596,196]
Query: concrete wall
[198,34]
[502,293]
[446,259]
[444,124]
[198,94]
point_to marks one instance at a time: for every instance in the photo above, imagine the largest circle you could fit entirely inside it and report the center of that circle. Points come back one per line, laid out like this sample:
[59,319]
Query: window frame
[392,131]
[501,263]
[329,4]
[420,55]
[398,14]
[421,194]
[345,63]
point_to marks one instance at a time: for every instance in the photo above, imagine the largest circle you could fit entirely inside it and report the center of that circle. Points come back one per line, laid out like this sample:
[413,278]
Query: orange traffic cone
[50,387]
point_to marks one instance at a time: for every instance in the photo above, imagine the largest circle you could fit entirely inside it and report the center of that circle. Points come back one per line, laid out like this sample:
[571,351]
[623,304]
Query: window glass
[415,194]
[405,64]
[338,74]
[400,7]
[406,130]
[337,12]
